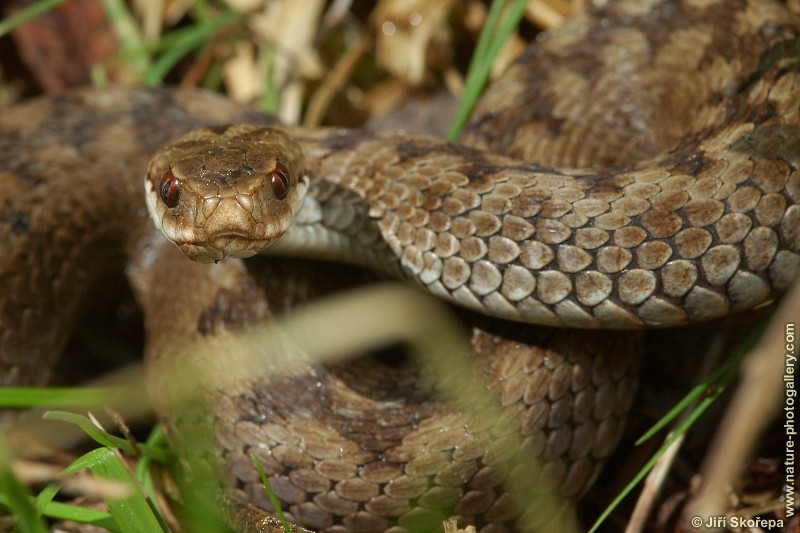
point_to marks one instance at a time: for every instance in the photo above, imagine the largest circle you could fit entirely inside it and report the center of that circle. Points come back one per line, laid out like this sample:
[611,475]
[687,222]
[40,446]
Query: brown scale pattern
[672,220]
[72,206]
[649,247]
[405,461]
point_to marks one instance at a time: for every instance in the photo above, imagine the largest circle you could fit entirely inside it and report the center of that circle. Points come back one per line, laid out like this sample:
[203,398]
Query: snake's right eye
[279,181]
[170,189]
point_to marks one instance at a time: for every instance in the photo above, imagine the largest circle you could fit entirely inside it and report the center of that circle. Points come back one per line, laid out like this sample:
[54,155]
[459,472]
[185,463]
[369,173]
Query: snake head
[226,190]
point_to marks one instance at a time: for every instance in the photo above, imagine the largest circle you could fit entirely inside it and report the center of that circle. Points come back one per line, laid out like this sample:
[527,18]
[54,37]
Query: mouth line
[231,234]
[213,241]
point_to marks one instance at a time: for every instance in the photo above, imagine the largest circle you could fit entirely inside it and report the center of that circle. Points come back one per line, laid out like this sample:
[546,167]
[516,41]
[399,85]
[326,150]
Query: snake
[636,167]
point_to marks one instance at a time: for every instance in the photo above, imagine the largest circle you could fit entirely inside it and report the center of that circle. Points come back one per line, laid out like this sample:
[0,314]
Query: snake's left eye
[170,189]
[279,181]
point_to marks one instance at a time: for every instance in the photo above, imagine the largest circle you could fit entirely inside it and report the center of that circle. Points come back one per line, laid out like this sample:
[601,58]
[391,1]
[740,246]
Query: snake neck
[334,225]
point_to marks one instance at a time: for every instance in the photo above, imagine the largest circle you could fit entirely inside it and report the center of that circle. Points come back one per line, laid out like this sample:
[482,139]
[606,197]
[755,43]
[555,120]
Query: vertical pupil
[280,182]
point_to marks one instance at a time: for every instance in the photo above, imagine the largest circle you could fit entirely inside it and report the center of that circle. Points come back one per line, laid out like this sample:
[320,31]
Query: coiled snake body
[682,120]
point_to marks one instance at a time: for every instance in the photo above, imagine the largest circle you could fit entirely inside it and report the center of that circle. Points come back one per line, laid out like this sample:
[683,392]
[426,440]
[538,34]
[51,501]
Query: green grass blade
[710,389]
[29,13]
[270,96]
[132,513]
[202,10]
[73,513]
[180,43]
[680,430]
[272,498]
[45,497]
[156,441]
[98,435]
[488,33]
[16,497]
[481,64]
[84,515]
[130,38]
[106,439]
[722,376]
[26,397]
[65,512]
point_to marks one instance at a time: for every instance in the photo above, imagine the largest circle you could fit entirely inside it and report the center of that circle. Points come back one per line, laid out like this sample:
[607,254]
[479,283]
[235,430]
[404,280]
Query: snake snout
[235,227]
[222,246]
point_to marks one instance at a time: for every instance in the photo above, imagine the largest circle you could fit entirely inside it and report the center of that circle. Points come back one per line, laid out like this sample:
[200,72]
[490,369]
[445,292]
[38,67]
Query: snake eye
[170,189]
[279,181]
